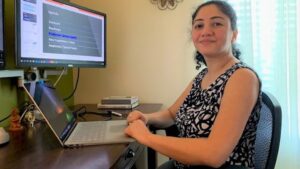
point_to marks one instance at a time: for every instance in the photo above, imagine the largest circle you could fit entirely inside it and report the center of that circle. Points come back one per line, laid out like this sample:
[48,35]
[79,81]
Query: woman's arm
[164,118]
[240,95]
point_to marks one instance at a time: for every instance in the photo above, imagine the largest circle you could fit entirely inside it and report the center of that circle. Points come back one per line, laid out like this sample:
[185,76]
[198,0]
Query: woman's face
[211,33]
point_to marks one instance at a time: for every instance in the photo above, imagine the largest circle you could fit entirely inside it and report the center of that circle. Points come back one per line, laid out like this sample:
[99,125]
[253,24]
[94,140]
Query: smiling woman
[212,132]
[166,4]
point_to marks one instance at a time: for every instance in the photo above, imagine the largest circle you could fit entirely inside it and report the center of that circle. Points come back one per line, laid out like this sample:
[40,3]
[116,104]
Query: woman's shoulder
[242,69]
[245,72]
[245,82]
[245,76]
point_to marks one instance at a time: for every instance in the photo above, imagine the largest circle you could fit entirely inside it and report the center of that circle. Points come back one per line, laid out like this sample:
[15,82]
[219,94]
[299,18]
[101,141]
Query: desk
[36,148]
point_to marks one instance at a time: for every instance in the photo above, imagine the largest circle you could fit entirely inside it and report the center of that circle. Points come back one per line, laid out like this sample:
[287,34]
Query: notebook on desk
[62,122]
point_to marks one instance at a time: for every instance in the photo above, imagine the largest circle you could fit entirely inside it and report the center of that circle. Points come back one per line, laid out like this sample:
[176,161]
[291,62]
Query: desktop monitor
[59,34]
[2,61]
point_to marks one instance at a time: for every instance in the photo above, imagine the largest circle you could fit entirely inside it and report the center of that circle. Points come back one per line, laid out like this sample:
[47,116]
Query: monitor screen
[57,33]
[1,34]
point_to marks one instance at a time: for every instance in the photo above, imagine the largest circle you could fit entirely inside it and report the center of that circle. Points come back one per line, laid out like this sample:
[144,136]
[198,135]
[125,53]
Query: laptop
[61,120]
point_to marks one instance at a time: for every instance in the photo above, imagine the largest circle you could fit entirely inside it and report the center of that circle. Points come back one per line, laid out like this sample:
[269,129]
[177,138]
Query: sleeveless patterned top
[199,110]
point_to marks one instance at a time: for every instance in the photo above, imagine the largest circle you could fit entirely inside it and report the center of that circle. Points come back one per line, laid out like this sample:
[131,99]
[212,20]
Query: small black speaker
[2,61]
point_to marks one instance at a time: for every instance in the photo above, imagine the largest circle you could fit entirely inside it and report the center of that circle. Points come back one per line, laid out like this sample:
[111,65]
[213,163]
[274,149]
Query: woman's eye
[216,24]
[198,26]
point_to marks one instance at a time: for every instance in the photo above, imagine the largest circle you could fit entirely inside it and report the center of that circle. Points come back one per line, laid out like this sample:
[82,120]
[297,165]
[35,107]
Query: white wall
[149,52]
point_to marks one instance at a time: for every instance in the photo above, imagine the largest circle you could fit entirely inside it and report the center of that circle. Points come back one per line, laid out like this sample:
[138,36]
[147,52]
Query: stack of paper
[118,102]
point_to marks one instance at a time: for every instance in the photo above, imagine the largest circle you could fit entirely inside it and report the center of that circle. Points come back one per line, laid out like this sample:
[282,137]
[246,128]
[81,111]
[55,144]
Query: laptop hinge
[68,130]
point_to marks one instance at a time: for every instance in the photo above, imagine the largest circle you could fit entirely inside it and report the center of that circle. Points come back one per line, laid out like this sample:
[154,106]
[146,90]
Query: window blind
[269,36]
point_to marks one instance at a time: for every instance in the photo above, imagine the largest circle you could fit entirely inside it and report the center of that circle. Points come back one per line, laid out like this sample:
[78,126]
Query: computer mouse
[4,136]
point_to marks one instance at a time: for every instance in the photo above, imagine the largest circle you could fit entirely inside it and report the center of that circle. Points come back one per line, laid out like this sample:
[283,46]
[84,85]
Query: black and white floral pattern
[198,112]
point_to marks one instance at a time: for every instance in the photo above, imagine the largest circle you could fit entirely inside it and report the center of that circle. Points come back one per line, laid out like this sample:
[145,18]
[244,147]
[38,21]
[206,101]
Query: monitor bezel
[2,52]
[60,63]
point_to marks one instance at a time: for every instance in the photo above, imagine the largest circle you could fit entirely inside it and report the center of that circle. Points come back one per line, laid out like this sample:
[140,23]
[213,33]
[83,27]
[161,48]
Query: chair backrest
[268,133]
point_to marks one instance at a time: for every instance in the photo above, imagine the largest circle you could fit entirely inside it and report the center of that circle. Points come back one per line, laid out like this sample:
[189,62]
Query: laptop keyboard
[88,131]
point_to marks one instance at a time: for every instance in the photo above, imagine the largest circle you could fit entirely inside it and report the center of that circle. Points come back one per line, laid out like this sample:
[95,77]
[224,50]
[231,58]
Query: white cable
[61,74]
[30,106]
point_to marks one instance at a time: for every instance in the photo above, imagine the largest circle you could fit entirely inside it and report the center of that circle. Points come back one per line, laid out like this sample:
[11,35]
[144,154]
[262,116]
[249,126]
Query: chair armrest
[234,167]
[170,131]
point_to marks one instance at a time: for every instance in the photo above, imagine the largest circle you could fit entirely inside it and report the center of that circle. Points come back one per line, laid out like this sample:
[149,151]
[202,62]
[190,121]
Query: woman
[218,112]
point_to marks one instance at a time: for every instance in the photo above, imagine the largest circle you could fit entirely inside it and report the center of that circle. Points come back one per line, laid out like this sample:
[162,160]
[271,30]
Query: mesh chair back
[268,133]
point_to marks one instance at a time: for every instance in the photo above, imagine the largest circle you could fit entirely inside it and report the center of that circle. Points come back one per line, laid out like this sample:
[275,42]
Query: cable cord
[80,112]
[61,74]
[1,120]
[29,107]
[76,84]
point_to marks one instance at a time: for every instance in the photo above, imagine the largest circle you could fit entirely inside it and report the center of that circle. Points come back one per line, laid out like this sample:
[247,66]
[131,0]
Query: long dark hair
[227,9]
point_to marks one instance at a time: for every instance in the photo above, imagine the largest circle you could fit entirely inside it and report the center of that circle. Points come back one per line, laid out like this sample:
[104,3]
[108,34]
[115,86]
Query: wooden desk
[36,148]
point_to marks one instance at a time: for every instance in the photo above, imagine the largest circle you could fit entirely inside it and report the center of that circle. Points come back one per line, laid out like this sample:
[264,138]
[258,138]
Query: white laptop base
[98,132]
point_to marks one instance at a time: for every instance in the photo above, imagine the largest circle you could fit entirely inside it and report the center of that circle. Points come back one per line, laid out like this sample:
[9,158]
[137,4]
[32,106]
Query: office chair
[268,133]
[267,138]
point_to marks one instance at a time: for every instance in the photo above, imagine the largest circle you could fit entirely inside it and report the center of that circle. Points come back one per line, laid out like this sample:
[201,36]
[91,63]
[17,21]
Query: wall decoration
[166,4]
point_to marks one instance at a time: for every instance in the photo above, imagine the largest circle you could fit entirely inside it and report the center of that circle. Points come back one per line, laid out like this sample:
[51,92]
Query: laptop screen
[52,107]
